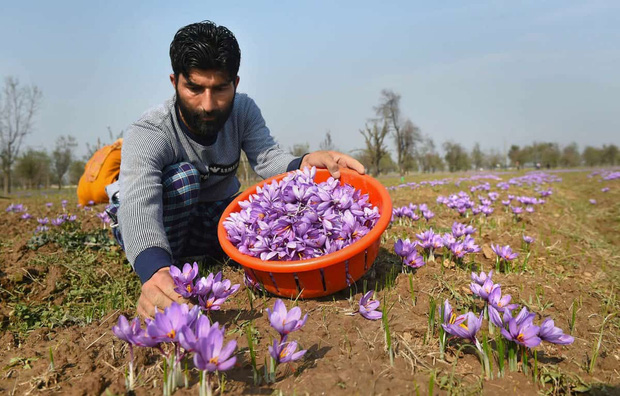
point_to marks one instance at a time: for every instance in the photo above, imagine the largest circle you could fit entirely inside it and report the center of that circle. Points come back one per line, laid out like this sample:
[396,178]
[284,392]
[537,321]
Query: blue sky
[492,72]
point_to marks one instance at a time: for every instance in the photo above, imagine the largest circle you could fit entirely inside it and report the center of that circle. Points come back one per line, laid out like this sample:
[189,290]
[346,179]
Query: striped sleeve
[146,151]
[264,154]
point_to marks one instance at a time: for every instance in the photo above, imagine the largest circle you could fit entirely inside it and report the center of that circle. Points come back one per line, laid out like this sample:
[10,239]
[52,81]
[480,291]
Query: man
[179,161]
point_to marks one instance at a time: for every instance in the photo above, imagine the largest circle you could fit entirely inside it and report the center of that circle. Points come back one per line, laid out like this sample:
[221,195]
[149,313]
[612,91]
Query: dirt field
[62,291]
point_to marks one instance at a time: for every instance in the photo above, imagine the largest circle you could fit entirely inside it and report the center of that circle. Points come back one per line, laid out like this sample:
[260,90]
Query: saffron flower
[184,280]
[499,302]
[524,333]
[593,201]
[504,252]
[283,321]
[166,326]
[26,216]
[283,352]
[368,306]
[485,290]
[464,326]
[49,205]
[550,333]
[528,239]
[211,355]
[480,279]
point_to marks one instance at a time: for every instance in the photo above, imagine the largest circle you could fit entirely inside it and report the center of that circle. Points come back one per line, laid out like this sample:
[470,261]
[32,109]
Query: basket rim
[385,215]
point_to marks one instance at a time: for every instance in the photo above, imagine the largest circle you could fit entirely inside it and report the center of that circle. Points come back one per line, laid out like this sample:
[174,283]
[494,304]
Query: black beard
[198,125]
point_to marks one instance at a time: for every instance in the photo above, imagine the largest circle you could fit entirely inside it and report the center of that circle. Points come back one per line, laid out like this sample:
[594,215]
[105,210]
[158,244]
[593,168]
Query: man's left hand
[332,161]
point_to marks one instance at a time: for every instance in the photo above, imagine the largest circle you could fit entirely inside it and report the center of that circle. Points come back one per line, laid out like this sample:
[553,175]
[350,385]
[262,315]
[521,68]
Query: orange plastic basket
[323,275]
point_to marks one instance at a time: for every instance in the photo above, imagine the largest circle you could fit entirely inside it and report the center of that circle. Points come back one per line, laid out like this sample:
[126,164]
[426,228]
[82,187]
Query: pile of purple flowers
[210,292]
[296,218]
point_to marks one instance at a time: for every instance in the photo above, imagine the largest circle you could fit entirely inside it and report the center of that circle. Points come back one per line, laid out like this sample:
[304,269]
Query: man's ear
[236,82]
[173,80]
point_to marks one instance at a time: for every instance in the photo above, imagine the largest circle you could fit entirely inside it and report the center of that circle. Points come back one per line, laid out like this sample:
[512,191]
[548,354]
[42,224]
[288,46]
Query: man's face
[205,99]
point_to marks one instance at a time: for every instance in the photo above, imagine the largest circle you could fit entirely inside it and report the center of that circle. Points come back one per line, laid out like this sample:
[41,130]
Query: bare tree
[375,149]
[328,144]
[18,106]
[62,156]
[406,135]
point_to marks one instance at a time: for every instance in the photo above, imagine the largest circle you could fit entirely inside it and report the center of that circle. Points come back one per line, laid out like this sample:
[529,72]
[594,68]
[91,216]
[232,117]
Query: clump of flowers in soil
[519,334]
[296,218]
[186,329]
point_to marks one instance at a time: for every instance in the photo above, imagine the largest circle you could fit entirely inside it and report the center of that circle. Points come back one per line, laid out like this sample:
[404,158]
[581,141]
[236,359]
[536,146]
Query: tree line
[414,151]
[417,152]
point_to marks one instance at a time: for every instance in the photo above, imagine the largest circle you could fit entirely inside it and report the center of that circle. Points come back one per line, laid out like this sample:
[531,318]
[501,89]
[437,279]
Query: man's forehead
[200,77]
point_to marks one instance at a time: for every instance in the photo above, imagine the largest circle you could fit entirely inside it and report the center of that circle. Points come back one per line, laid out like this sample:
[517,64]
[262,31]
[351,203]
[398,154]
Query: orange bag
[102,169]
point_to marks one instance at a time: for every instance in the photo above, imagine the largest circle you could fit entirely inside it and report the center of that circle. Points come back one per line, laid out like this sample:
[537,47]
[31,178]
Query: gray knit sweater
[157,140]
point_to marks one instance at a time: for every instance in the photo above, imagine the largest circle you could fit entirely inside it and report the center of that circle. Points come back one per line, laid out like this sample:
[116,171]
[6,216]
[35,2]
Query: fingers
[347,161]
[157,292]
[332,161]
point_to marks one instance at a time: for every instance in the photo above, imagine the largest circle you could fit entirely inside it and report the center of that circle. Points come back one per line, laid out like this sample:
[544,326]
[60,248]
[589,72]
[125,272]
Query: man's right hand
[158,292]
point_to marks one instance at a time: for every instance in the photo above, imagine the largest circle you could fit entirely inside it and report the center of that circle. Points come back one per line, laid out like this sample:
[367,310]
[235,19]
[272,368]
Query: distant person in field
[101,169]
[179,161]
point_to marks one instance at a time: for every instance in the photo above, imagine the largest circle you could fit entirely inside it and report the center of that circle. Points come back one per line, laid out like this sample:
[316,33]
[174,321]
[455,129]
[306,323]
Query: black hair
[206,46]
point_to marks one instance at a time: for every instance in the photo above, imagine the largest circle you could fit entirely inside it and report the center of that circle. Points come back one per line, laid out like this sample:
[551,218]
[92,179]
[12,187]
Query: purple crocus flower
[428,215]
[550,333]
[516,209]
[166,325]
[188,337]
[285,322]
[480,279]
[528,239]
[284,352]
[127,332]
[91,202]
[184,280]
[404,247]
[485,290]
[64,203]
[593,201]
[500,302]
[504,252]
[368,307]
[132,333]
[524,333]
[43,221]
[449,316]
[465,326]
[26,216]
[48,204]
[414,260]
[604,189]
[211,355]
[495,317]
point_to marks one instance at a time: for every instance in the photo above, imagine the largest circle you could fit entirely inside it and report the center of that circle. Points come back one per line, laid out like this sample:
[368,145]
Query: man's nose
[208,101]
